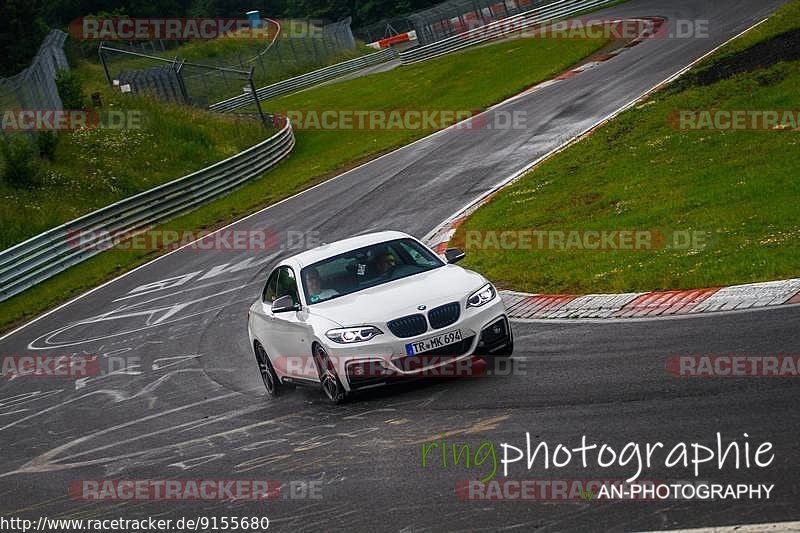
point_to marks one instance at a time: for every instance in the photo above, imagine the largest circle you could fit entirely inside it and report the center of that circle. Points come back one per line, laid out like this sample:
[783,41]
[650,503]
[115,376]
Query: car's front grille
[408,326]
[433,357]
[444,315]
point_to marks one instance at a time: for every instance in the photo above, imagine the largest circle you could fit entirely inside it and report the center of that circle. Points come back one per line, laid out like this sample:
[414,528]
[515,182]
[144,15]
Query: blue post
[255,19]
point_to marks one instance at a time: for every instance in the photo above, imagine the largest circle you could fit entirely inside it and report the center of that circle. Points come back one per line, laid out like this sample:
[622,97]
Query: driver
[314,286]
[385,263]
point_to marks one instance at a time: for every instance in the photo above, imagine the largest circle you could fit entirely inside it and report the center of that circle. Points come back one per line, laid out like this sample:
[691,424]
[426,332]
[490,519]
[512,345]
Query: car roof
[324,251]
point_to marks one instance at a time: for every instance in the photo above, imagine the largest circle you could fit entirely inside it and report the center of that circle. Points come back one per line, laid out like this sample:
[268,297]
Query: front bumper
[384,360]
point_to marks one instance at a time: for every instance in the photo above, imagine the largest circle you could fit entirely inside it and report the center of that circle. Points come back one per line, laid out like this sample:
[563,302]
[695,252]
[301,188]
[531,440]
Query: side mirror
[454,255]
[284,304]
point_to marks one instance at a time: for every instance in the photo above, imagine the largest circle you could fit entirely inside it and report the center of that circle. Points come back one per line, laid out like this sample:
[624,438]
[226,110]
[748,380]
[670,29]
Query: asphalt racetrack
[190,403]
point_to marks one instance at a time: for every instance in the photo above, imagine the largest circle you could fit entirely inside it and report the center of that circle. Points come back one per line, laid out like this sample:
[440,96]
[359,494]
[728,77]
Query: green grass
[471,79]
[639,173]
[96,167]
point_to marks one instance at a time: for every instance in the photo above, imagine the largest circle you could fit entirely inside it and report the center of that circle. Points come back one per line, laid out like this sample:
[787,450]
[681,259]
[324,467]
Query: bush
[70,89]
[46,142]
[20,163]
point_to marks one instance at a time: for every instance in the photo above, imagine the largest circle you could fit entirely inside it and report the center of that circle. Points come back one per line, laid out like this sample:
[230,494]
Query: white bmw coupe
[360,312]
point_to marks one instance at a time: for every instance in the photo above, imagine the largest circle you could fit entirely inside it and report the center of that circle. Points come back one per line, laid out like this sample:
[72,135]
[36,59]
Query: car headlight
[351,335]
[482,296]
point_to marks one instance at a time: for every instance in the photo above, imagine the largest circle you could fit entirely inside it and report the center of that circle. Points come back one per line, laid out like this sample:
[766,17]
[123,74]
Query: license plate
[445,339]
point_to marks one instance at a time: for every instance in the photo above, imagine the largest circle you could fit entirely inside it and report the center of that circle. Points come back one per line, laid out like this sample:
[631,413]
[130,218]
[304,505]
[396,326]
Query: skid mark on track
[259,462]
[132,319]
[165,362]
[197,461]
[261,444]
[49,461]
[116,395]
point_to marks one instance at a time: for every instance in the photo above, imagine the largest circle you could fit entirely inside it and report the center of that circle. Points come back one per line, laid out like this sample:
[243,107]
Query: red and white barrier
[395,39]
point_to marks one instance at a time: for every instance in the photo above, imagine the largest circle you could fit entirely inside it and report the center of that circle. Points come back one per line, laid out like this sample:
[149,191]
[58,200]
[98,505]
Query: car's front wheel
[328,378]
[268,376]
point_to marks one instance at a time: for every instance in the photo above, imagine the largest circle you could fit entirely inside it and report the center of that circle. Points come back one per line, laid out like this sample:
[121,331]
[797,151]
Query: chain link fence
[35,87]
[190,75]
[457,16]
[301,46]
[446,19]
[173,79]
[384,28]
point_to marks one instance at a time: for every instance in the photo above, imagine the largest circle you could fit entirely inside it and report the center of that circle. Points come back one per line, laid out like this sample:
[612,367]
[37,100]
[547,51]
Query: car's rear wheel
[328,378]
[268,376]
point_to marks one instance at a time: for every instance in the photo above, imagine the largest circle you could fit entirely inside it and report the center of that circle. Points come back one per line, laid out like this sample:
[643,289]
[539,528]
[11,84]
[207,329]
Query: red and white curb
[652,304]
[772,527]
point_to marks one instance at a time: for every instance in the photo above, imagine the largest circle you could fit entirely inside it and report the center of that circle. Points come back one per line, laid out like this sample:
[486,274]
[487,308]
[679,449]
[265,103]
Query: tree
[21,32]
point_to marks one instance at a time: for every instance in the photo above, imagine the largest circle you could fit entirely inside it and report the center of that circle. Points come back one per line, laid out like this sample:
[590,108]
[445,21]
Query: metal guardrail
[304,80]
[47,254]
[500,28]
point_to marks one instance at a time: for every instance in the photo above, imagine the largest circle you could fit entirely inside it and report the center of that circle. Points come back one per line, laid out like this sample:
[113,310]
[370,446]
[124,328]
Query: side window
[270,289]
[417,257]
[287,284]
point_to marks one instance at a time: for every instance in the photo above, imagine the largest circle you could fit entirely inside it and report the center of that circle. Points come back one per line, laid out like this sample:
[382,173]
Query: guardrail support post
[177,67]
[255,97]
[103,61]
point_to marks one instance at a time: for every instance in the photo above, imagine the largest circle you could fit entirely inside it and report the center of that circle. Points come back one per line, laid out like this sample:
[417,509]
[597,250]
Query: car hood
[377,305]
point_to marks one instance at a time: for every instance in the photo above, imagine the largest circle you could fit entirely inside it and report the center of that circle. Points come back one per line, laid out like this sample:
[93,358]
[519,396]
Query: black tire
[329,380]
[271,381]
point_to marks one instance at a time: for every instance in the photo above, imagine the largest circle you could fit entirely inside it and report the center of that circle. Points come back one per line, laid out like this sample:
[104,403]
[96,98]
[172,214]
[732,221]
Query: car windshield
[366,267]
